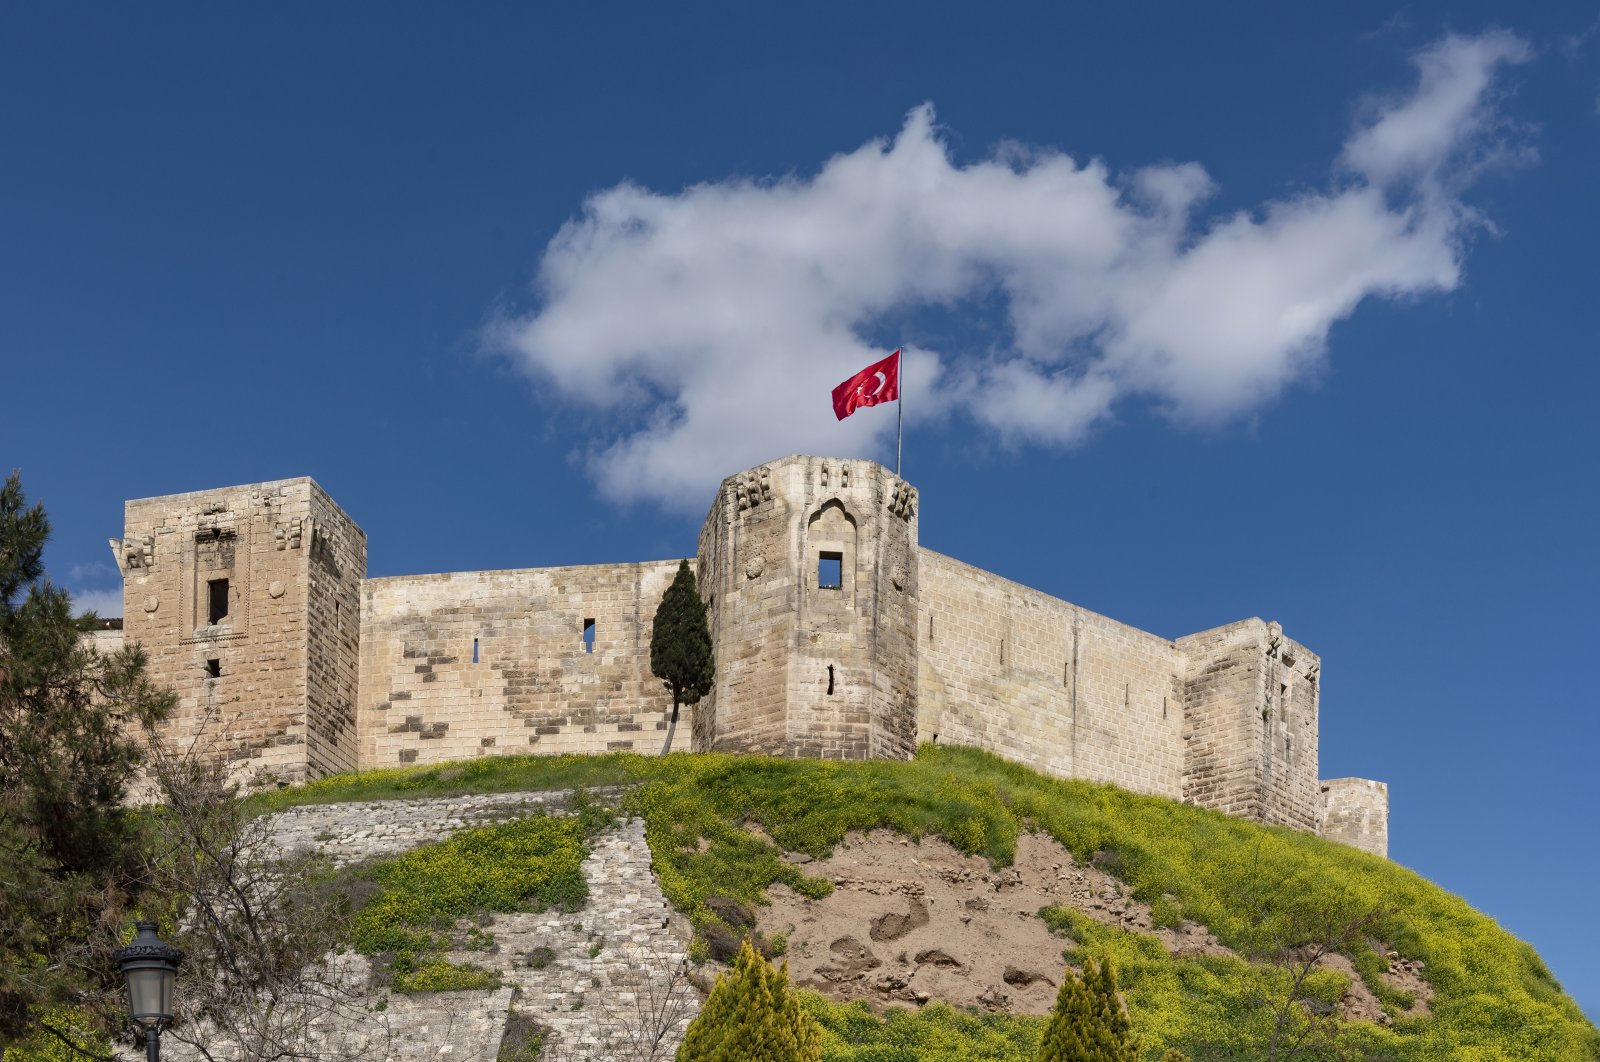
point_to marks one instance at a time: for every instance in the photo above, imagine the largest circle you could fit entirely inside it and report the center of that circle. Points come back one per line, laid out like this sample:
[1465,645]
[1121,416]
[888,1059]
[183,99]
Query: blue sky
[1280,312]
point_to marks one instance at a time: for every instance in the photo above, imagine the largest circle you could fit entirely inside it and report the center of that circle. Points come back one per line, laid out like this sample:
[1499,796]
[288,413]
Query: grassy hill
[1492,997]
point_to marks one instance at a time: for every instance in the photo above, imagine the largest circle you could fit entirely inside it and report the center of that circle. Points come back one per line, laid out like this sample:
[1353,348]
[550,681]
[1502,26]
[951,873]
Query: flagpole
[899,411]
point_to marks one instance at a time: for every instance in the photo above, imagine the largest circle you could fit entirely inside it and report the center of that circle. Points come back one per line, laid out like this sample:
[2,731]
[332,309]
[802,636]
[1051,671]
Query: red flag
[874,384]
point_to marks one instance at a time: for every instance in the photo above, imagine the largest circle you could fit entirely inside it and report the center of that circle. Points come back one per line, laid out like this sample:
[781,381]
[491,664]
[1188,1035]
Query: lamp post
[149,967]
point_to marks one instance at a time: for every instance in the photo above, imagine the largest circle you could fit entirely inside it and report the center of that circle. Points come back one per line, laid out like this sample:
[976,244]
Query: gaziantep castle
[836,635]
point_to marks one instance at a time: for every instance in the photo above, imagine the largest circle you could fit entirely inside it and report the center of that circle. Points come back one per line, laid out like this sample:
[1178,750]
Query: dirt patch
[910,923]
[1406,976]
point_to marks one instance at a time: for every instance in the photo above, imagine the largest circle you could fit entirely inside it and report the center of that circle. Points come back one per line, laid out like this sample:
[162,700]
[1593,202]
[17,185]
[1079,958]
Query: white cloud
[710,324]
[103,603]
[83,573]
[1421,136]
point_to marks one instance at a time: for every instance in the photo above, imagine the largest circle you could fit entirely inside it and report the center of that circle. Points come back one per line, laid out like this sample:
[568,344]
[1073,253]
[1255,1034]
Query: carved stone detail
[754,488]
[290,534]
[903,503]
[139,552]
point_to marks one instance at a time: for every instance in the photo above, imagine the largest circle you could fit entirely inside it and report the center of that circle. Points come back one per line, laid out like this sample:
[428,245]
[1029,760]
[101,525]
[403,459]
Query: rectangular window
[216,600]
[830,571]
[588,635]
[213,669]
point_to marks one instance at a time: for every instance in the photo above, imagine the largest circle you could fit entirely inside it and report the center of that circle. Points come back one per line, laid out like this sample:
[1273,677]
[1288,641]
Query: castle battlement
[836,635]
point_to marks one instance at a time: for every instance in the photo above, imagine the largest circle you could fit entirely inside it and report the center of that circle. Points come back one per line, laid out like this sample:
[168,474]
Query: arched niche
[831,554]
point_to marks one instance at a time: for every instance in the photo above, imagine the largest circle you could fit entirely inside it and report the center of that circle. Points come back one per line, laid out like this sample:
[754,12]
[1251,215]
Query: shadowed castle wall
[535,687]
[1250,724]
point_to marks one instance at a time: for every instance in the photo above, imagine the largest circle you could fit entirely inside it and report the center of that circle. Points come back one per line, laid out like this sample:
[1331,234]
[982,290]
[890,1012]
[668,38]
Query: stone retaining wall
[609,981]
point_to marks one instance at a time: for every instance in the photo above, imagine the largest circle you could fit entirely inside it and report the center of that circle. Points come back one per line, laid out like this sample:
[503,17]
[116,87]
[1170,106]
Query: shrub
[523,1040]
[1088,1024]
[752,1015]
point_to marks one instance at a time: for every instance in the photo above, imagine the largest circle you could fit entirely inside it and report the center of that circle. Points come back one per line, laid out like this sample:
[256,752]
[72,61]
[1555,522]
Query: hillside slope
[719,826]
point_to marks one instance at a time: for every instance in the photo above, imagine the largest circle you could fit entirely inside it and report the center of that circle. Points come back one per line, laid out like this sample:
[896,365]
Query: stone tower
[808,566]
[1252,698]
[247,601]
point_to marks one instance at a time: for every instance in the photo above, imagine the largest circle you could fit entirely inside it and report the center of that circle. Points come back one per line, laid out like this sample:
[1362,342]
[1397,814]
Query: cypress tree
[752,1015]
[680,646]
[1089,1024]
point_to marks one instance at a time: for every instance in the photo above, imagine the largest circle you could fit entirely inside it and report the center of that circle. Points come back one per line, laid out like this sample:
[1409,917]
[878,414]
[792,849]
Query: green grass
[936,1033]
[437,975]
[534,862]
[1494,998]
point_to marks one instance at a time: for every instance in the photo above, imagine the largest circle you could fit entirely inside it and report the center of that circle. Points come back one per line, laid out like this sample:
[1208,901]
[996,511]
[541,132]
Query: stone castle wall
[487,663]
[337,563]
[269,685]
[835,633]
[1355,811]
[1046,683]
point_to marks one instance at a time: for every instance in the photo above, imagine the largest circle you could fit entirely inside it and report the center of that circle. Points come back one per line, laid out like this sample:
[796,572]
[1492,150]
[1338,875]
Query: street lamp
[149,967]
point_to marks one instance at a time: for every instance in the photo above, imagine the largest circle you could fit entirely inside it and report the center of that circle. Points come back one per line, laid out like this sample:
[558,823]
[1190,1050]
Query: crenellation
[836,635]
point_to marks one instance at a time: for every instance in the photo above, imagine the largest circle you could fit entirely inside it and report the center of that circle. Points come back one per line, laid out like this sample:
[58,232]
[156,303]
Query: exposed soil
[908,923]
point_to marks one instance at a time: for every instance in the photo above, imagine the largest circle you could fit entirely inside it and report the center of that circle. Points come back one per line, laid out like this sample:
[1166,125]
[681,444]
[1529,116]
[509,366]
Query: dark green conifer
[1089,1024]
[70,729]
[752,1015]
[680,646]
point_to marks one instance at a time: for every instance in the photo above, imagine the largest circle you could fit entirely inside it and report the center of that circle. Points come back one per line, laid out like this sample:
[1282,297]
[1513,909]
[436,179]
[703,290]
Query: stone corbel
[219,524]
[754,488]
[903,503]
[293,534]
[134,552]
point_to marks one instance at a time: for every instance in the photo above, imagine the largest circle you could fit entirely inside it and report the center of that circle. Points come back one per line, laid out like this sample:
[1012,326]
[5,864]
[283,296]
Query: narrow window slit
[474,650]
[830,680]
[588,635]
[216,600]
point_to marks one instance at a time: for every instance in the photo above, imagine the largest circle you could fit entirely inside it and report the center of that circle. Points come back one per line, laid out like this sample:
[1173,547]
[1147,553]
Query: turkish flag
[874,384]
